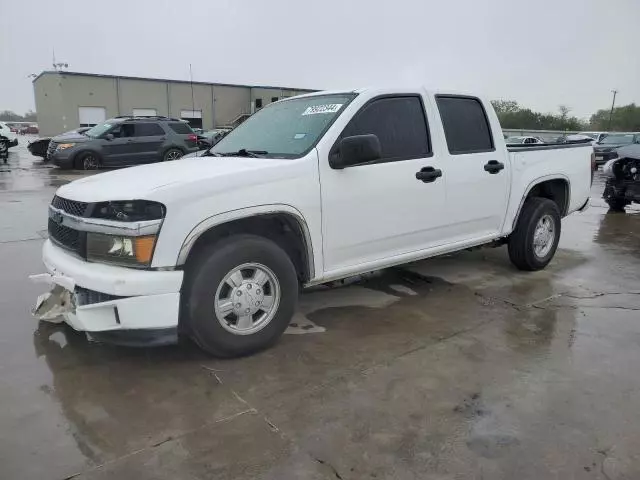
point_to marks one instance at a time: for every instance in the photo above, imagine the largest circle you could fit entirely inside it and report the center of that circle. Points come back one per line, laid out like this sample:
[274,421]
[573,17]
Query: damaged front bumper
[116,304]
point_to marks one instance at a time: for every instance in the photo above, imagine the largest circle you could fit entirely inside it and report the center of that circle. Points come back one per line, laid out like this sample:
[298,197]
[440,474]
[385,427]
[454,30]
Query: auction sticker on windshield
[329,108]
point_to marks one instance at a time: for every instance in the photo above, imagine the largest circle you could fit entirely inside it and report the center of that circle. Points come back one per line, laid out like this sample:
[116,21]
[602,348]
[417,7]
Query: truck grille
[66,237]
[51,148]
[71,207]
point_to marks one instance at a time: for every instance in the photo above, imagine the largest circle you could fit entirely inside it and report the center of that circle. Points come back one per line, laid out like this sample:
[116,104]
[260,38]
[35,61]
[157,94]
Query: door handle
[493,167]
[428,174]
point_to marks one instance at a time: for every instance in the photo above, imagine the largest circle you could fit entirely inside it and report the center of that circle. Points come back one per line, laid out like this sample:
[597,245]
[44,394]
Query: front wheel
[535,239]
[616,204]
[240,295]
[87,161]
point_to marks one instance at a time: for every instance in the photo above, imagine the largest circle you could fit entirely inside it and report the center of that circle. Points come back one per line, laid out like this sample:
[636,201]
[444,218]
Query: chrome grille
[71,207]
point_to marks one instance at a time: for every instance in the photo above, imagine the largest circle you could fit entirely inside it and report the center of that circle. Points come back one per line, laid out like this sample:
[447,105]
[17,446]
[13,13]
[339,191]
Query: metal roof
[99,75]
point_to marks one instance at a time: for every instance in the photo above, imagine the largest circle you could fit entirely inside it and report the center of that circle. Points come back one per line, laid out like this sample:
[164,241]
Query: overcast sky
[541,53]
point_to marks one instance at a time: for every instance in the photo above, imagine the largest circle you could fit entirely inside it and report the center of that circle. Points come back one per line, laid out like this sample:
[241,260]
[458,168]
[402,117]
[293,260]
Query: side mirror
[356,150]
[109,136]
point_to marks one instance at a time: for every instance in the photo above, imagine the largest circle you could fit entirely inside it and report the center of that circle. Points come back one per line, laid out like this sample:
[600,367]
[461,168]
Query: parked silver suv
[124,141]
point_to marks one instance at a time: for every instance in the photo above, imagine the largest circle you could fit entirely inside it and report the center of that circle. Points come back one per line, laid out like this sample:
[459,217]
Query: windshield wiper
[243,152]
[209,153]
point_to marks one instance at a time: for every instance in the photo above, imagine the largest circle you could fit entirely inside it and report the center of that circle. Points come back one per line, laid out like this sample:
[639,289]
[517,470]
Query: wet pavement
[458,367]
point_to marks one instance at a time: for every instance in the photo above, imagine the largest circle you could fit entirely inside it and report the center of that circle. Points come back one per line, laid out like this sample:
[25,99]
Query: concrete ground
[454,368]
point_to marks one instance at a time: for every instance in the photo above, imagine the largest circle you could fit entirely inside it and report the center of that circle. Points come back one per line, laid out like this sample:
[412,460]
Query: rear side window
[181,127]
[398,122]
[465,125]
[148,130]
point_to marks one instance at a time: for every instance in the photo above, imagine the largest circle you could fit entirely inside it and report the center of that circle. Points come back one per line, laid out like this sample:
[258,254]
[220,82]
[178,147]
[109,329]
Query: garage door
[90,116]
[145,112]
[194,117]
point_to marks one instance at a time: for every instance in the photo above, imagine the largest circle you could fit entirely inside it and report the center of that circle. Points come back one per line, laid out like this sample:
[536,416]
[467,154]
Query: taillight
[192,137]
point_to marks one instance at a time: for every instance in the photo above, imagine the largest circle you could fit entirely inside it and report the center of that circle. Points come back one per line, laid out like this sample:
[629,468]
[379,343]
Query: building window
[258,103]
[274,99]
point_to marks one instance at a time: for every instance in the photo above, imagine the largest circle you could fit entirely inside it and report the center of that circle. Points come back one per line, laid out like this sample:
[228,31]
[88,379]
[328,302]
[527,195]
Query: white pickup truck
[308,190]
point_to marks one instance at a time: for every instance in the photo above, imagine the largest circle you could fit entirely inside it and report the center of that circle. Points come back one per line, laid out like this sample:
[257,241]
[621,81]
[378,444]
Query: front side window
[98,130]
[286,129]
[398,122]
[465,123]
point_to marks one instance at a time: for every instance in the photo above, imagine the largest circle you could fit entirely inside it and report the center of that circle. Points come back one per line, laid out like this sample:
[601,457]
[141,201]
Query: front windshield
[285,129]
[98,130]
[617,140]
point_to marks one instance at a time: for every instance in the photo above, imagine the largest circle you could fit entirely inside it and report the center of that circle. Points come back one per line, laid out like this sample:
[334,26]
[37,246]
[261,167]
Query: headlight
[64,146]
[116,249]
[129,210]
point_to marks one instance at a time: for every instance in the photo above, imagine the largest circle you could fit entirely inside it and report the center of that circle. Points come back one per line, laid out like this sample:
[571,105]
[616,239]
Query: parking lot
[459,367]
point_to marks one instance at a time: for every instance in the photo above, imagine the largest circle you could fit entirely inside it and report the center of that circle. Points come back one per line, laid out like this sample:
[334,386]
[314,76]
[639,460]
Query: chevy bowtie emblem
[56,217]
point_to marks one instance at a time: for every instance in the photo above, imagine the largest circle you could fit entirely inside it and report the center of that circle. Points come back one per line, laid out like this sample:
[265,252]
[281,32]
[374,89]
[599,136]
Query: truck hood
[155,180]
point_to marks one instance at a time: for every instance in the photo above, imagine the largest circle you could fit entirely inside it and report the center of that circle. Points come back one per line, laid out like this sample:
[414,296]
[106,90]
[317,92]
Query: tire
[172,154]
[87,161]
[616,204]
[523,251]
[4,150]
[206,316]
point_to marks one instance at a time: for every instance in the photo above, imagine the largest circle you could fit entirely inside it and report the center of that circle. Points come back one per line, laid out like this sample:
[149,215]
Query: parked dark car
[29,129]
[623,178]
[40,146]
[209,138]
[606,149]
[124,141]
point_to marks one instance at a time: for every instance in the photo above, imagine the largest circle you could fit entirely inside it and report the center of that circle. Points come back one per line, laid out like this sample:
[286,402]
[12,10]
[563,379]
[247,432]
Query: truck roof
[389,89]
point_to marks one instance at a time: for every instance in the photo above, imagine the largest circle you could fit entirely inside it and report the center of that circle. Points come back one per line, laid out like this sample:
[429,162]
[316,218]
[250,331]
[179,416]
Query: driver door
[117,151]
[379,210]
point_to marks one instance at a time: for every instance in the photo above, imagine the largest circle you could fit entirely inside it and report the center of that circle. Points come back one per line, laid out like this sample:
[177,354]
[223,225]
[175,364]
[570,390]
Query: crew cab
[309,189]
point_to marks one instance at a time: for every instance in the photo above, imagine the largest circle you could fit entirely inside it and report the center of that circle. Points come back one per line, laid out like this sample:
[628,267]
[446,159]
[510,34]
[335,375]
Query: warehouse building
[68,100]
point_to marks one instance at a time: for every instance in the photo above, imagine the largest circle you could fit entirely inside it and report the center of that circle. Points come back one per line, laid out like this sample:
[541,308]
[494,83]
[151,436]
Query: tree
[30,116]
[513,116]
[9,116]
[623,119]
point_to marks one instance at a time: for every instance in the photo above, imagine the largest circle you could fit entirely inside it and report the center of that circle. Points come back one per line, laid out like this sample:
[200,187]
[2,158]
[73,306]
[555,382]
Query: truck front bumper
[114,300]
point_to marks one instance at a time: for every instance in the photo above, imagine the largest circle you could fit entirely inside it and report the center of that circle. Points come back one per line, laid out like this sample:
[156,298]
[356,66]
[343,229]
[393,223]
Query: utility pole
[613,103]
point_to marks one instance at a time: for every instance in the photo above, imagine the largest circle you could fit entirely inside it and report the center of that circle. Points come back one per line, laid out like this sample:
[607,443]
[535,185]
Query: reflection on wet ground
[456,367]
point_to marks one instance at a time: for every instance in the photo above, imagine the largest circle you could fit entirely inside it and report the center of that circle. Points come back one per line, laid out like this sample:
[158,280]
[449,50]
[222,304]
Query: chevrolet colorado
[308,190]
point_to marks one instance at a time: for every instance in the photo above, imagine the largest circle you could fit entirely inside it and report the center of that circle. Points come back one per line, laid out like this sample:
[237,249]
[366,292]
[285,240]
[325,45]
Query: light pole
[613,103]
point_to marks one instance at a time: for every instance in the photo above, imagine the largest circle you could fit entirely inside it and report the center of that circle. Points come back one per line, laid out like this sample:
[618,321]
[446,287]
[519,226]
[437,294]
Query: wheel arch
[79,154]
[282,224]
[554,187]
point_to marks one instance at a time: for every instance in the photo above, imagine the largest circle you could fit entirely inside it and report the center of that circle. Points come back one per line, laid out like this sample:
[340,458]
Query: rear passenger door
[478,174]
[147,142]
[378,210]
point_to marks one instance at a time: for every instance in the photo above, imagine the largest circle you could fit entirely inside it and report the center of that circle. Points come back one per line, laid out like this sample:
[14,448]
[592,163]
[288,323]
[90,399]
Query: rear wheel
[535,239]
[240,295]
[87,161]
[172,154]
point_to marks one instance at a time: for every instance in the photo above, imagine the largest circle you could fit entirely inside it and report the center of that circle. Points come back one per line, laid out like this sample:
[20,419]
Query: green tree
[514,116]
[623,119]
[30,116]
